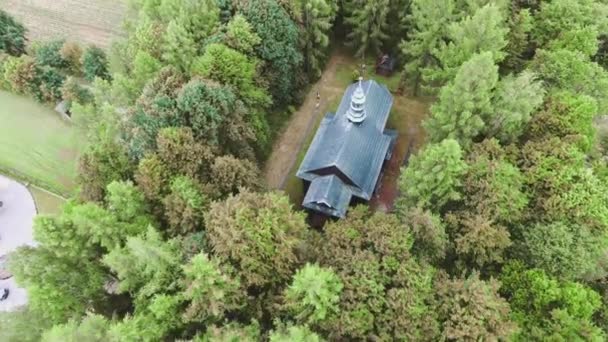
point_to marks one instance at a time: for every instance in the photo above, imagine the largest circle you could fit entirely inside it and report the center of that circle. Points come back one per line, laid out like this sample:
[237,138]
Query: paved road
[16,216]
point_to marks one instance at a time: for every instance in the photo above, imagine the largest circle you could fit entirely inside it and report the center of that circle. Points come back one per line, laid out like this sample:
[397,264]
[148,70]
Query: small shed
[63,108]
[385,65]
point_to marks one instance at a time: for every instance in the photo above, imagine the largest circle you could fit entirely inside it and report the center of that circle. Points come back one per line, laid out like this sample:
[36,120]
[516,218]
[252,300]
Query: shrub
[12,35]
[95,64]
[71,53]
[49,54]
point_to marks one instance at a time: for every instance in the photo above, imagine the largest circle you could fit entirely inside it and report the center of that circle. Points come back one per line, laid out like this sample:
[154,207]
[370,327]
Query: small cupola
[356,112]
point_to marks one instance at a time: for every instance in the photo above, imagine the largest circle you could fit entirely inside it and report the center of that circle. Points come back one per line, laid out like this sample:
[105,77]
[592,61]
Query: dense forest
[500,230]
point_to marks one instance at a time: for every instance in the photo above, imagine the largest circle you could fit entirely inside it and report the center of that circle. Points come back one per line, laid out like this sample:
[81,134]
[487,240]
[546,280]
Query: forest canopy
[500,228]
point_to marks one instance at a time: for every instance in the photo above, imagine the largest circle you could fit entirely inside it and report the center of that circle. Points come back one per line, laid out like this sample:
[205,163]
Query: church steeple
[356,112]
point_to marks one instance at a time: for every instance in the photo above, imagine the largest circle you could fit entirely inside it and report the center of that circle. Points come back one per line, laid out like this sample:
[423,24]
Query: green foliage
[126,202]
[207,107]
[294,334]
[567,251]
[240,35]
[279,47]
[520,24]
[369,24]
[483,33]
[572,71]
[584,40]
[211,291]
[93,328]
[146,265]
[386,292]
[200,18]
[184,206]
[433,177]
[179,49]
[151,323]
[566,115]
[73,92]
[12,35]
[471,309]
[314,294]
[55,290]
[232,332]
[94,64]
[21,74]
[100,164]
[49,54]
[493,186]
[429,28]
[515,99]
[317,19]
[71,53]
[465,102]
[51,82]
[545,308]
[181,153]
[562,188]
[230,67]
[428,230]
[23,325]
[559,17]
[259,235]
[476,103]
[230,174]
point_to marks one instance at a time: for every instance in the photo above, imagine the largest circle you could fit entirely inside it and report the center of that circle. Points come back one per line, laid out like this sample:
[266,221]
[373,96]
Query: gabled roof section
[355,149]
[329,195]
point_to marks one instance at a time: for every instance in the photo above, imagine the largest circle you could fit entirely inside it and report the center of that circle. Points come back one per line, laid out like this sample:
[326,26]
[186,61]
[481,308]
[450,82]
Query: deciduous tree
[433,177]
[249,229]
[12,35]
[314,294]
[94,64]
[472,309]
[465,102]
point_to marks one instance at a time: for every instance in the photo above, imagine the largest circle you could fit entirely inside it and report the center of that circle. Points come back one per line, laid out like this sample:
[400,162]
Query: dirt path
[286,148]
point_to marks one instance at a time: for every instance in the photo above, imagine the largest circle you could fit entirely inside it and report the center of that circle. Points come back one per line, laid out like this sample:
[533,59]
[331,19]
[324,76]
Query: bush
[71,53]
[72,92]
[49,54]
[51,81]
[95,64]
[21,74]
[12,35]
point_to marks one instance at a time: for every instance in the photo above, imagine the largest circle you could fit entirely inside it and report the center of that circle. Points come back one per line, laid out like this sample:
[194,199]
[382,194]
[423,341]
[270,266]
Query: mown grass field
[36,145]
[85,21]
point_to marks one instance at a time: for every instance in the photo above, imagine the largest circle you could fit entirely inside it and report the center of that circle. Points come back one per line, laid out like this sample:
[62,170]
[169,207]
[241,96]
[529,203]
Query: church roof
[352,151]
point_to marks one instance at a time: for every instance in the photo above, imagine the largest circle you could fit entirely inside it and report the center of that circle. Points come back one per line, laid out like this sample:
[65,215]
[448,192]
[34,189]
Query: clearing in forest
[85,21]
[406,117]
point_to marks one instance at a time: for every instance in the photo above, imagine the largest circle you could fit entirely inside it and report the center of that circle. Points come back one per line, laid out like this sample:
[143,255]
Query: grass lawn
[46,203]
[36,145]
[406,117]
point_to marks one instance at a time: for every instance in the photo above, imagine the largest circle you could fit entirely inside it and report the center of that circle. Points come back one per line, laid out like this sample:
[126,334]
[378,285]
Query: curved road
[16,218]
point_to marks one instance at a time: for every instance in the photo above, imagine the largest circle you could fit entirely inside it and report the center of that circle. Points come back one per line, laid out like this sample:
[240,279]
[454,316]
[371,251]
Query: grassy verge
[36,145]
[46,202]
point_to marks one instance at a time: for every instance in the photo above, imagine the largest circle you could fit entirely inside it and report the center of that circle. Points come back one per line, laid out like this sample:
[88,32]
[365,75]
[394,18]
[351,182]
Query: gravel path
[16,217]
